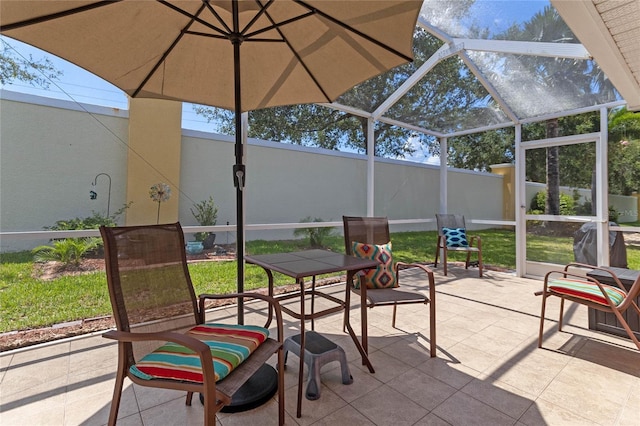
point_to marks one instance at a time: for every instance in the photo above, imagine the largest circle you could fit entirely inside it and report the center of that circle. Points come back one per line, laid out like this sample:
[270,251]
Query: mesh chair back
[149,283]
[369,230]
[449,221]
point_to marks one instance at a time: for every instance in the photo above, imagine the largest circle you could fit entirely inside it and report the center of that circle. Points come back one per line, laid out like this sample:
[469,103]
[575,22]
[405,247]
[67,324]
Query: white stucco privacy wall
[627,207]
[50,154]
[51,151]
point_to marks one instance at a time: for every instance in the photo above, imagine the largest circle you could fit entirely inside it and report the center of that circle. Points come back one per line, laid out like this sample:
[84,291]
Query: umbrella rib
[355,31]
[157,65]
[168,51]
[56,15]
[221,37]
[201,34]
[218,17]
[304,65]
[278,25]
[194,17]
[257,15]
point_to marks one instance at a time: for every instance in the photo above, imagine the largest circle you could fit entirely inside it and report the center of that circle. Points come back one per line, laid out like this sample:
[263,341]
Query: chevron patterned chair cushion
[384,276]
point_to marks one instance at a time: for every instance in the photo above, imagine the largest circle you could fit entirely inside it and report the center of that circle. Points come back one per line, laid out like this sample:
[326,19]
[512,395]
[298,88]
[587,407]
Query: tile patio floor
[488,370]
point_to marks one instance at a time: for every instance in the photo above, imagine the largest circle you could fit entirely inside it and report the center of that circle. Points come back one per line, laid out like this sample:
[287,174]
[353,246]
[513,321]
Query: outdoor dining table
[310,263]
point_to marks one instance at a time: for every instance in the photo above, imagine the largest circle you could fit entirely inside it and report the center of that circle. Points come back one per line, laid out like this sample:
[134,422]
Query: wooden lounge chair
[452,237]
[375,231]
[590,292]
[163,340]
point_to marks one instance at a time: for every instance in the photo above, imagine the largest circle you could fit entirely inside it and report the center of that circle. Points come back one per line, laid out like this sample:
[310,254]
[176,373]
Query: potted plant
[206,213]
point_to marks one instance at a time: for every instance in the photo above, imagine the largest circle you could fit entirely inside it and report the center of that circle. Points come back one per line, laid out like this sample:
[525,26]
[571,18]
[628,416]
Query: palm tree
[547,26]
[573,78]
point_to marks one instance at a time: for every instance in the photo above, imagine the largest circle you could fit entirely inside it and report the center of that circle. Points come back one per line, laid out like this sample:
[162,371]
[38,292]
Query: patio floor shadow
[488,370]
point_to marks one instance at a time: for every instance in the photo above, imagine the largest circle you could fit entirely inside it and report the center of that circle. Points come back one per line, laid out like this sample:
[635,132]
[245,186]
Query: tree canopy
[15,67]
[315,125]
[319,126]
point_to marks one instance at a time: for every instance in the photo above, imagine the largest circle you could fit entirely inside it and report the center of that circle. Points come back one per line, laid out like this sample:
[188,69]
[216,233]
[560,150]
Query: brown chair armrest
[473,238]
[580,277]
[273,302]
[201,348]
[404,265]
[565,274]
[599,268]
[163,336]
[426,270]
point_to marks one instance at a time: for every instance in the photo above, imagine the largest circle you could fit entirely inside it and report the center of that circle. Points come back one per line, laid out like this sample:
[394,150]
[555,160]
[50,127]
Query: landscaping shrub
[206,213]
[91,222]
[316,235]
[567,204]
[69,251]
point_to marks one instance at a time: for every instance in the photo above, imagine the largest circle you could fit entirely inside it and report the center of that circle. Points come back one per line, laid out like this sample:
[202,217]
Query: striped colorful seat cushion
[230,345]
[587,291]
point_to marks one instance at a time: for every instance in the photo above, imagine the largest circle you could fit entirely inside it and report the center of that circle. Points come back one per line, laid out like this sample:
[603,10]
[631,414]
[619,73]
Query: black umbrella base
[255,392]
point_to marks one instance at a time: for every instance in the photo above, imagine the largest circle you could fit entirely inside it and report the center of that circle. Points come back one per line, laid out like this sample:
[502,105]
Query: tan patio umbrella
[239,55]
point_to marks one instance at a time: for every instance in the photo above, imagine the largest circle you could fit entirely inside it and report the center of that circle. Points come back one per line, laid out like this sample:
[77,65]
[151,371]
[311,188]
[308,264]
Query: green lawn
[28,302]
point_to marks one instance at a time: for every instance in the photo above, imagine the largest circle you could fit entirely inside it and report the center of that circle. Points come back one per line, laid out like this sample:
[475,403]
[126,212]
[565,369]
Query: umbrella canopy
[292,52]
[239,55]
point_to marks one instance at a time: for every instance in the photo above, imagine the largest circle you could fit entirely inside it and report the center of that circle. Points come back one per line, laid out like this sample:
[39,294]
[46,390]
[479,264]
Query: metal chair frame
[141,259]
[375,230]
[456,221]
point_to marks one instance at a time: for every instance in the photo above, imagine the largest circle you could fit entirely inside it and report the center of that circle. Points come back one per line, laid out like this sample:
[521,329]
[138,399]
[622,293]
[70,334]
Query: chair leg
[281,387]
[117,388]
[435,263]
[561,314]
[544,304]
[432,327]
[393,319]
[480,263]
[622,321]
[210,410]
[363,323]
[115,401]
[444,260]
[466,263]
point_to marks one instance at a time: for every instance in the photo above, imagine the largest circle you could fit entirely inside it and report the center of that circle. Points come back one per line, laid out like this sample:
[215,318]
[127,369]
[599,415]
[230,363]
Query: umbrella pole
[238,168]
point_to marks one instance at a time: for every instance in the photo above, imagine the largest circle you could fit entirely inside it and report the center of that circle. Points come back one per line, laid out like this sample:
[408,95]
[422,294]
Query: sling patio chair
[452,236]
[163,340]
[368,237]
[589,291]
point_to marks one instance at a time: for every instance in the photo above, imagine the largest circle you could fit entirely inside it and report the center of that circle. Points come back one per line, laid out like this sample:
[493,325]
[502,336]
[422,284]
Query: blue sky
[498,15]
[80,86]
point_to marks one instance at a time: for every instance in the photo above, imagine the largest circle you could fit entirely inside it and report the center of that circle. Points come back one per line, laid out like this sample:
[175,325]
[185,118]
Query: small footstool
[318,350]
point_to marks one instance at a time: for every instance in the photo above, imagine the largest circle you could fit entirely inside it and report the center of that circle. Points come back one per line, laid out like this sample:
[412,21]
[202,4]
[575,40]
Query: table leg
[270,315]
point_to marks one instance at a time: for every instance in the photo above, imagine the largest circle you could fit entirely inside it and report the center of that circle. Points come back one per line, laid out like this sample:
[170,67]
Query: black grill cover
[584,246]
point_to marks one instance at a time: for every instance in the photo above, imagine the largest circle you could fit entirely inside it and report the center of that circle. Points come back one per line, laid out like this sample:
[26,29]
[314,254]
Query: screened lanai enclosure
[495,87]
[472,78]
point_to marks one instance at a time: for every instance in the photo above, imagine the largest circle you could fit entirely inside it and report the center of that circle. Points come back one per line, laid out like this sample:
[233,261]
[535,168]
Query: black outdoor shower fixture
[94,195]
